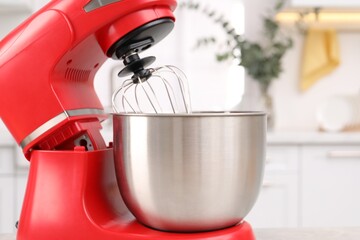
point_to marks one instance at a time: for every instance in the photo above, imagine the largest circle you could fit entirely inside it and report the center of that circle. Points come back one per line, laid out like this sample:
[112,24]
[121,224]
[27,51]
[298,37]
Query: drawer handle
[343,154]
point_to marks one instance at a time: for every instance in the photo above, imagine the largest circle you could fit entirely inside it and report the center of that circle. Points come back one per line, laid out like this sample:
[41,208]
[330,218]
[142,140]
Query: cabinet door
[282,159]
[7,221]
[7,160]
[21,163]
[21,182]
[331,186]
[277,205]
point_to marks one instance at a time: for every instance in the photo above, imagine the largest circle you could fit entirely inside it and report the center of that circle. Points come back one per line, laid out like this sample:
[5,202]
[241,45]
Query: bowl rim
[194,114]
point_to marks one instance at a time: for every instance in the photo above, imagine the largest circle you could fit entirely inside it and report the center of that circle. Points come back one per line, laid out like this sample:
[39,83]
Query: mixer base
[74,195]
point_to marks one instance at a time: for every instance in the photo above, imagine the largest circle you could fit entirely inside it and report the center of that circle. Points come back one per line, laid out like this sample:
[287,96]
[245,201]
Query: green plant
[262,60]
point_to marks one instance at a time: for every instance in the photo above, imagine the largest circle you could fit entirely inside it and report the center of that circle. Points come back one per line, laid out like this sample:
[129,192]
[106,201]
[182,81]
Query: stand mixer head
[58,52]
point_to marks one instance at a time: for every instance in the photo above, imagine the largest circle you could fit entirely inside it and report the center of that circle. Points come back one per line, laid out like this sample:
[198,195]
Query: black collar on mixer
[141,38]
[136,41]
[134,64]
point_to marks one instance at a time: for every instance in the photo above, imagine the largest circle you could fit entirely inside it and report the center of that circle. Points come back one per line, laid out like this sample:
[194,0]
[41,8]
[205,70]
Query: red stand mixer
[47,68]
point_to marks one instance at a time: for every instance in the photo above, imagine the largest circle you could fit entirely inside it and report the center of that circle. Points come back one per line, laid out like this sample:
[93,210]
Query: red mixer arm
[48,64]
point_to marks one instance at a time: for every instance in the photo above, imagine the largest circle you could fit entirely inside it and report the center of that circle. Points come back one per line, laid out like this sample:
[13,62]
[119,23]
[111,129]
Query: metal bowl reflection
[191,172]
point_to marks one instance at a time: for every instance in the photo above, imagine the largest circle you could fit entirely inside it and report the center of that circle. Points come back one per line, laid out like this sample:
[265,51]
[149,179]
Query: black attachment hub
[134,64]
[141,38]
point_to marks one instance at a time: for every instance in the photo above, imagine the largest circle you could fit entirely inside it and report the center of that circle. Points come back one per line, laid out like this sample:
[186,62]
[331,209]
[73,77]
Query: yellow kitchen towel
[320,57]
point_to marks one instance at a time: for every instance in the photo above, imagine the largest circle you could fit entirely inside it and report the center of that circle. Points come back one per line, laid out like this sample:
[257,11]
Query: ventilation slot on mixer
[77,75]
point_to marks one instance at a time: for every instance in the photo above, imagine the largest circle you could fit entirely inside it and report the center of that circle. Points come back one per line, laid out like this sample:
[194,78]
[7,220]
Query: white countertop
[287,234]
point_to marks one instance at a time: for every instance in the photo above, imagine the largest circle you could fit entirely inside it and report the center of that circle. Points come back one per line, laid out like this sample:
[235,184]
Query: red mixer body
[73,195]
[47,101]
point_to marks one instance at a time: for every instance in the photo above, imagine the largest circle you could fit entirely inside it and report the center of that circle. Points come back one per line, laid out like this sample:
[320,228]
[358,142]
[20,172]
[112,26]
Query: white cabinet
[20,187]
[12,185]
[330,186]
[22,170]
[277,205]
[310,182]
[7,165]
[7,221]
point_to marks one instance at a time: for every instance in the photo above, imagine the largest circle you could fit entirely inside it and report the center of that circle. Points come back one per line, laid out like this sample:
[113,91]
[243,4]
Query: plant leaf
[279,5]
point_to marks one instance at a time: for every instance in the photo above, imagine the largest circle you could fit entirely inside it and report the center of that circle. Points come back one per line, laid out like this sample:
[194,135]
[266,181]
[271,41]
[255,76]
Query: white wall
[10,20]
[296,109]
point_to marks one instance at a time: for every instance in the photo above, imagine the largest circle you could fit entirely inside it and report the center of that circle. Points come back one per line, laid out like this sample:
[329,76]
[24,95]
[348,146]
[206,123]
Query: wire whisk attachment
[154,90]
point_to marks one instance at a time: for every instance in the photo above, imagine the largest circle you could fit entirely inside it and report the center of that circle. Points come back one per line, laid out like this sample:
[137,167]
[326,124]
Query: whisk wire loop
[185,99]
[147,95]
[165,90]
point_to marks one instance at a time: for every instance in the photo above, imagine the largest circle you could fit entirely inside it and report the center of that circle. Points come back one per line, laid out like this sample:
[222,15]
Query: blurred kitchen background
[312,176]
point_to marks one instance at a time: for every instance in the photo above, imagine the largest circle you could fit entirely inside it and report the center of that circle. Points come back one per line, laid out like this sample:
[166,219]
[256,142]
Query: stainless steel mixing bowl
[191,172]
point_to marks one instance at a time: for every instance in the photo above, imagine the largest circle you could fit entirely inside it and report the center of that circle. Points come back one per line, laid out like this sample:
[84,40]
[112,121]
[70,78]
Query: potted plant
[262,60]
